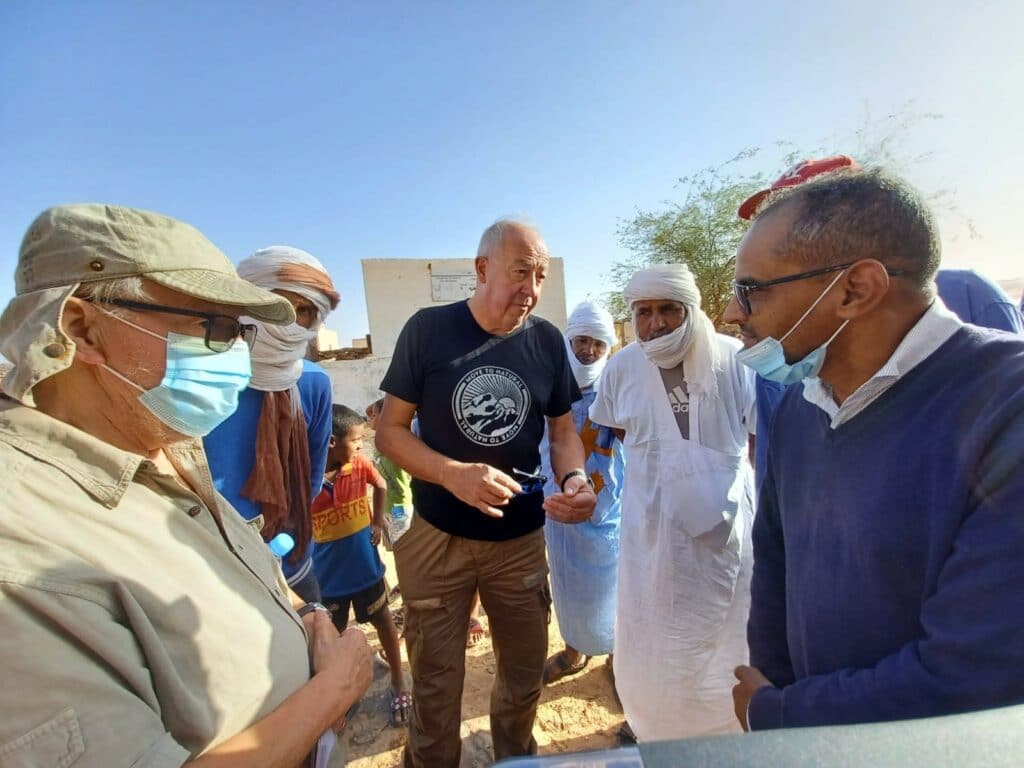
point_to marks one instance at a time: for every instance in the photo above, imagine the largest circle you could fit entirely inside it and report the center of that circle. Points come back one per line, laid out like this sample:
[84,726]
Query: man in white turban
[684,409]
[583,558]
[268,458]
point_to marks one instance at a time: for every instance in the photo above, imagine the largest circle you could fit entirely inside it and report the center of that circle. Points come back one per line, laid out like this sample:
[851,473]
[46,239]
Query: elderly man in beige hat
[144,621]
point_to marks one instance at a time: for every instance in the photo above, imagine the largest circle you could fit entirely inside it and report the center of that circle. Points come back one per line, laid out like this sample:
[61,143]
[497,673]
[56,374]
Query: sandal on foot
[399,708]
[558,666]
[476,633]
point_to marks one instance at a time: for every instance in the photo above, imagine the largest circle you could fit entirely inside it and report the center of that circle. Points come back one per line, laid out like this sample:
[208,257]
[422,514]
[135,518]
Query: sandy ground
[576,713]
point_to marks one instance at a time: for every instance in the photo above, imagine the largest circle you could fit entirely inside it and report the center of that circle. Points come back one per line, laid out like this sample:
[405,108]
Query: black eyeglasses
[221,330]
[743,290]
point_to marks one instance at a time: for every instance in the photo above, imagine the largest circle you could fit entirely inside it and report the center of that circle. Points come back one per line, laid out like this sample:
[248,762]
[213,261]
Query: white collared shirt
[933,330]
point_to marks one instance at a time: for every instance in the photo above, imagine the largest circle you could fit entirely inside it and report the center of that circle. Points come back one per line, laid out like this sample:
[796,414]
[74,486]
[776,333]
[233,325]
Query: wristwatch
[310,607]
[576,473]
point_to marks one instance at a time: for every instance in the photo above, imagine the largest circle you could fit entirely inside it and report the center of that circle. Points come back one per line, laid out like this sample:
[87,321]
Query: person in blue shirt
[268,458]
[584,558]
[887,539]
[978,300]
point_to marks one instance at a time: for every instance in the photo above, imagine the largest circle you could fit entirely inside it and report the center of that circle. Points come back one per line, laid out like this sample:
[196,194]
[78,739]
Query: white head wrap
[588,319]
[693,343]
[279,349]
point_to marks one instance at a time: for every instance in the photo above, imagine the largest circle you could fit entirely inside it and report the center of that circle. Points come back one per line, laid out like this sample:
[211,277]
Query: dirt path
[576,713]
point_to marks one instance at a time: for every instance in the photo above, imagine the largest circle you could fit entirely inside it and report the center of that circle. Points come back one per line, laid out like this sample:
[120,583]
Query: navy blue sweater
[889,553]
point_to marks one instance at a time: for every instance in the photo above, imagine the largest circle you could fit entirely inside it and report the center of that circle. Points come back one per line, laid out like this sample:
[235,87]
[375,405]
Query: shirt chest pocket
[57,743]
[258,556]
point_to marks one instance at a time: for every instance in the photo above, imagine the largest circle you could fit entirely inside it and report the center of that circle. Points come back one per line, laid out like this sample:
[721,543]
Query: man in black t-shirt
[483,377]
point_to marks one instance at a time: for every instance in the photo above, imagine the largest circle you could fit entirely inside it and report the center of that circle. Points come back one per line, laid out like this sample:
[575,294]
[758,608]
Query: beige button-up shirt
[140,623]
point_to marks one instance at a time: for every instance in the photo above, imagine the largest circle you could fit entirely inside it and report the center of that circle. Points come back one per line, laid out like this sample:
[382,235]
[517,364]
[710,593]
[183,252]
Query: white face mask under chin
[669,350]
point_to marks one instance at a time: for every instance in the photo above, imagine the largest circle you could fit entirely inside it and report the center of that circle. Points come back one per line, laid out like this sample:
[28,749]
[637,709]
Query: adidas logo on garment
[679,400]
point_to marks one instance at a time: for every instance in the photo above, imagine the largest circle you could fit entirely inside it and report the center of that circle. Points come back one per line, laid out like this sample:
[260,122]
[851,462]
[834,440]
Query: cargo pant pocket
[57,743]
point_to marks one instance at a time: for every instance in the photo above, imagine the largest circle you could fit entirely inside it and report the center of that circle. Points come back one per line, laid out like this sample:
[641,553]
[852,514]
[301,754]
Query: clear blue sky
[387,130]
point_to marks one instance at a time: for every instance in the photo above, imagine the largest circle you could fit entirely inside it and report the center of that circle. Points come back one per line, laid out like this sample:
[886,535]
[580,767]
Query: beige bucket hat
[69,245]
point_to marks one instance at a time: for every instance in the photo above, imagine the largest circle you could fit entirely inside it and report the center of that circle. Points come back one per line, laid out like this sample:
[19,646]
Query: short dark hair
[344,419]
[862,214]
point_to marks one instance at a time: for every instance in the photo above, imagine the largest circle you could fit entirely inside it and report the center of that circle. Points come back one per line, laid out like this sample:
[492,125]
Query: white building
[326,339]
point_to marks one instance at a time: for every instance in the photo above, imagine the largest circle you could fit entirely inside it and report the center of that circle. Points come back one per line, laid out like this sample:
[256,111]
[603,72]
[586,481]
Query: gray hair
[494,235]
[864,214]
[127,288]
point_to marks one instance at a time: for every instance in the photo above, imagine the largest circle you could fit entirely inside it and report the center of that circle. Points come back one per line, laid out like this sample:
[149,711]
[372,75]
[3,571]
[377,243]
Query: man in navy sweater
[972,296]
[888,576]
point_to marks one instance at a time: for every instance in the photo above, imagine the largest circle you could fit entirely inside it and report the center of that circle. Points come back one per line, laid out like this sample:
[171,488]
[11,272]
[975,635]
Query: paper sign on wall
[455,287]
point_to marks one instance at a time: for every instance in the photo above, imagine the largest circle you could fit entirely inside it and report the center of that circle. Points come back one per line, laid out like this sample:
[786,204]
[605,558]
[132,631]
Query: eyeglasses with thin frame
[221,330]
[742,290]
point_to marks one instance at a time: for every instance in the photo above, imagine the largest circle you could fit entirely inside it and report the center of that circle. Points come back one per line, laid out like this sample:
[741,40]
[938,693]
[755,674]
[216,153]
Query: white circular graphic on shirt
[490,405]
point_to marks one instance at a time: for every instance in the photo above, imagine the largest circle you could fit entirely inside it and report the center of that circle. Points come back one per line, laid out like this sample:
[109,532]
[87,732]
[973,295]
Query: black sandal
[558,667]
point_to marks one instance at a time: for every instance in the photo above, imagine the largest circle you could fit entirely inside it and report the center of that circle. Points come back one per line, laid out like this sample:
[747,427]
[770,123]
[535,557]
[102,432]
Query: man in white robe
[684,409]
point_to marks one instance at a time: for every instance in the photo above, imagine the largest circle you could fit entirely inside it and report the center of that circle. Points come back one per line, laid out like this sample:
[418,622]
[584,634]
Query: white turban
[694,343]
[588,319]
[279,349]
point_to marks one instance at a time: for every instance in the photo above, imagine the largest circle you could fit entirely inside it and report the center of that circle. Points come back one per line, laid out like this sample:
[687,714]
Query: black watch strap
[574,473]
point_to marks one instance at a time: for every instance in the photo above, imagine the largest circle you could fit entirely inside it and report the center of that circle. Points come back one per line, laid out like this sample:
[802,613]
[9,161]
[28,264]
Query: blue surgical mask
[200,387]
[768,358]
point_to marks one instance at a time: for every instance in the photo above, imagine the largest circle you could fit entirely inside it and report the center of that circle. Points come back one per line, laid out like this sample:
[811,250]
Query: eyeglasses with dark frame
[743,290]
[221,330]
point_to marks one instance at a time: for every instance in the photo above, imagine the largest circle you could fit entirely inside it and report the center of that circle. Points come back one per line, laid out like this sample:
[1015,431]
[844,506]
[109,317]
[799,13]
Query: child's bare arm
[377,497]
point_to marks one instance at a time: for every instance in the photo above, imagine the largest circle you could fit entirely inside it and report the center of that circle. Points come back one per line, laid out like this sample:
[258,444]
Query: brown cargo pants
[438,574]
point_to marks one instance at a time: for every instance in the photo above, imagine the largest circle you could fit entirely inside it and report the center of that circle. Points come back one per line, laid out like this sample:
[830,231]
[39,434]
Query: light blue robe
[583,558]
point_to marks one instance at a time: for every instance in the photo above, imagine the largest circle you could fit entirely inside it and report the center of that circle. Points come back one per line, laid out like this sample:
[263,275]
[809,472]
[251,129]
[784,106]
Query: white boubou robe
[685,559]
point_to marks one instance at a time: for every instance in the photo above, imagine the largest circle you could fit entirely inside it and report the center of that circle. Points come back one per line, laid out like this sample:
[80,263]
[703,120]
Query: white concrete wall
[396,288]
[326,339]
[356,383]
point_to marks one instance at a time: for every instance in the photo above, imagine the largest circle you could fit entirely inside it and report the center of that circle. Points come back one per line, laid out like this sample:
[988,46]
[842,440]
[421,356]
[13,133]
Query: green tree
[703,230]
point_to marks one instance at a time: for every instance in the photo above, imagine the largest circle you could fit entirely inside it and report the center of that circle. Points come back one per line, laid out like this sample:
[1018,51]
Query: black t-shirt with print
[481,398]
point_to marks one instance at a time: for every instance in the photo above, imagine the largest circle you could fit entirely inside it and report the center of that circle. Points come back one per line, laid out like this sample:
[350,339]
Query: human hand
[575,504]
[376,531]
[750,682]
[481,486]
[346,658]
